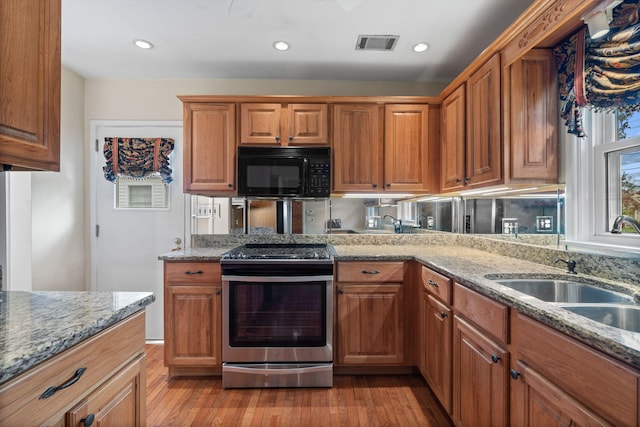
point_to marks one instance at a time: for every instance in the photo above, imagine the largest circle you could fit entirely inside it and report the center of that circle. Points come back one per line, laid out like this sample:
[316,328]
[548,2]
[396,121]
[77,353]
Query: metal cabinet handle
[388,185]
[514,374]
[88,420]
[375,185]
[370,272]
[278,139]
[341,291]
[467,180]
[495,358]
[194,272]
[53,389]
[218,291]
[290,138]
[432,283]
[443,314]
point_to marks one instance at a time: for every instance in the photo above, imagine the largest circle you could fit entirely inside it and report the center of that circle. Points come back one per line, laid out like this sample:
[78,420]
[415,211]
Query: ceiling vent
[376,42]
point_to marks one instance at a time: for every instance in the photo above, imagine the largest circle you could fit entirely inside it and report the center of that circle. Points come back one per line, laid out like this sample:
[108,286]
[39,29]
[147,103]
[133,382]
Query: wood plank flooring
[354,400]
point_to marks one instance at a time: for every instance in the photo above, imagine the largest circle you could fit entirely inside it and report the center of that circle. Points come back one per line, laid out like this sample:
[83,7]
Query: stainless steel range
[277,316]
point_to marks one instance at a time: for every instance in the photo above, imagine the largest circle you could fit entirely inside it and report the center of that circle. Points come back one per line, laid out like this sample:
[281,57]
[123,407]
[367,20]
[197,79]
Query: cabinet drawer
[436,284]
[101,355]
[192,272]
[370,272]
[489,315]
[605,386]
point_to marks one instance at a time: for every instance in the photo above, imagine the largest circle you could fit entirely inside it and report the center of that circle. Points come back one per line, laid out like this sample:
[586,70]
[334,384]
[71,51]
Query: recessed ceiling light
[143,44]
[420,47]
[281,45]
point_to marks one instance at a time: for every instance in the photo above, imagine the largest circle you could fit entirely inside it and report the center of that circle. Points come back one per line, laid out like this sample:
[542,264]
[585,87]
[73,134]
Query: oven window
[277,314]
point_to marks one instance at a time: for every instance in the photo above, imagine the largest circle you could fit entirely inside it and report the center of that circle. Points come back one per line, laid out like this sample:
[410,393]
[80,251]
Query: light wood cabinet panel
[489,315]
[480,372]
[357,148]
[277,124]
[453,140]
[209,148]
[30,84]
[531,147]
[192,316]
[437,284]
[116,403]
[484,139]
[536,401]
[370,324]
[406,148]
[606,387]
[364,272]
[437,320]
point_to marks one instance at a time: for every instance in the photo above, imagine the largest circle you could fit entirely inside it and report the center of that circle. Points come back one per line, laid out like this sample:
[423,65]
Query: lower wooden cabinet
[437,319]
[480,372]
[370,311]
[109,388]
[193,318]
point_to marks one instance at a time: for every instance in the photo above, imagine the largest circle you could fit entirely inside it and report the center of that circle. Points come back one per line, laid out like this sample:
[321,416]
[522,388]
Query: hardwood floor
[354,400]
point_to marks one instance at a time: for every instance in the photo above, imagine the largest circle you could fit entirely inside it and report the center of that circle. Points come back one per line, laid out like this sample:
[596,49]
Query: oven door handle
[283,370]
[272,279]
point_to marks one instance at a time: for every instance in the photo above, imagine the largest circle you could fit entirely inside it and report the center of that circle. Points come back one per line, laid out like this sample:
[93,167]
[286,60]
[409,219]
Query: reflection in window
[148,193]
[623,190]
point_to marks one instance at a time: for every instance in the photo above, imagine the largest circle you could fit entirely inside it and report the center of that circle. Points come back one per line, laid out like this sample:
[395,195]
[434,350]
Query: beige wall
[58,202]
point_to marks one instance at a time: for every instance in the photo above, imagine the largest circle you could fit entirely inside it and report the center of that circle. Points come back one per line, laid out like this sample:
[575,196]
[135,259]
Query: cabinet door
[406,148]
[536,401]
[120,402]
[480,369]
[437,350]
[209,148]
[484,150]
[452,145]
[370,324]
[260,124]
[357,148]
[533,116]
[307,124]
[193,331]
[30,84]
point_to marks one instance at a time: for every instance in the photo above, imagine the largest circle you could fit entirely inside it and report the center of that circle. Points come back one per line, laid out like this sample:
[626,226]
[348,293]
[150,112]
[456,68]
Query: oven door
[277,319]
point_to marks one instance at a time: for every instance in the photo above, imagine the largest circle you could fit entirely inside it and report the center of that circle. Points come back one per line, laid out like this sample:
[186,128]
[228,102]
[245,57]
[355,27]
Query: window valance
[603,74]
[137,158]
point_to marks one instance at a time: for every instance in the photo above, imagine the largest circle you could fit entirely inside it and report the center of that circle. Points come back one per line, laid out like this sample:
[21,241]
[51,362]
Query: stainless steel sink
[625,317]
[565,291]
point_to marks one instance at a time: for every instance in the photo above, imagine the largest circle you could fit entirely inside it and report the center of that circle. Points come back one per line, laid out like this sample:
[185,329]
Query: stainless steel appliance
[277,316]
[284,172]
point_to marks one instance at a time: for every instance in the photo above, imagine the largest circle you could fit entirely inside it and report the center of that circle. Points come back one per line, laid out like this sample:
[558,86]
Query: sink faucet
[616,228]
[571,265]
[397,223]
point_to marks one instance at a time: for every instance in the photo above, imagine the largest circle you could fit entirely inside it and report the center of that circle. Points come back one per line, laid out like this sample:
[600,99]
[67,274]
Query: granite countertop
[35,326]
[471,267]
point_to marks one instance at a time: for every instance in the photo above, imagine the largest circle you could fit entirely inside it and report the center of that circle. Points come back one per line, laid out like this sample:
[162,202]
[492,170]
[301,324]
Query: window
[148,193]
[603,182]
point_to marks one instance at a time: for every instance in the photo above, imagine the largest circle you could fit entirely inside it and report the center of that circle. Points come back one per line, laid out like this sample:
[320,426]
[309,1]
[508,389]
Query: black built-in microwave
[284,172]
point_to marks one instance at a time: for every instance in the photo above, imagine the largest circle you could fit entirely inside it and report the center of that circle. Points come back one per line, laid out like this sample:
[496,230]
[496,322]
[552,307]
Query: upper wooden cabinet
[471,141]
[357,147]
[530,128]
[453,141]
[406,148]
[30,84]
[209,148]
[484,148]
[278,124]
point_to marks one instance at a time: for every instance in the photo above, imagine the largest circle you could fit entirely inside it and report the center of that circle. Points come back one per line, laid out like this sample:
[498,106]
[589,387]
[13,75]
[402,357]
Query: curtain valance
[137,158]
[603,74]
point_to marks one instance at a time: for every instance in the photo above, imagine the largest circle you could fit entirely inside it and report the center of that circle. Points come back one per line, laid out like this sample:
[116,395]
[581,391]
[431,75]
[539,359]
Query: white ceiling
[201,39]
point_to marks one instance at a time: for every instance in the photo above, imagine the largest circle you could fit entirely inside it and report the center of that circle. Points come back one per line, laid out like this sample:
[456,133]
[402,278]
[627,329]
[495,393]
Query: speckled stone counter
[35,326]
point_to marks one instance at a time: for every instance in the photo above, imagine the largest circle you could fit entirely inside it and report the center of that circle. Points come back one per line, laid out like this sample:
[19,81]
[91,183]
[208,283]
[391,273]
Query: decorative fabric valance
[137,158]
[603,74]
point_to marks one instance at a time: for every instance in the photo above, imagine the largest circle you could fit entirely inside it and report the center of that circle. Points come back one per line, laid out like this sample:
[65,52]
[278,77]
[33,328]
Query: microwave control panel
[319,178]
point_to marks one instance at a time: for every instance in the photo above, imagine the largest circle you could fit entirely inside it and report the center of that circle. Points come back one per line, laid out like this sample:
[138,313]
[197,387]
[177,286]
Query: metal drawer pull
[52,390]
[495,358]
[432,283]
[88,420]
[370,272]
[194,272]
[443,314]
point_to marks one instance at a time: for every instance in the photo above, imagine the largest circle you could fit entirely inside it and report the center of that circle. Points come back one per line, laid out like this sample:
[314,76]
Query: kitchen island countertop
[35,326]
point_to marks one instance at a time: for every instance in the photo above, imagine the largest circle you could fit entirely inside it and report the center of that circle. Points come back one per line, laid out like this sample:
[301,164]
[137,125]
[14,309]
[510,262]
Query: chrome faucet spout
[616,228]
[397,223]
